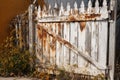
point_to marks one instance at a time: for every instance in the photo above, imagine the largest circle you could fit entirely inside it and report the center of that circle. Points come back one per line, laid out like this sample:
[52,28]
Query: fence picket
[58,45]
[103,31]
[52,45]
[88,37]
[73,41]
[66,37]
[94,43]
[81,45]
[62,51]
[30,17]
[39,45]
[45,45]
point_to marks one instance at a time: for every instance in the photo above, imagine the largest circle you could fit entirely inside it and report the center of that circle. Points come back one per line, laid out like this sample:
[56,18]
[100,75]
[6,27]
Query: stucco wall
[9,9]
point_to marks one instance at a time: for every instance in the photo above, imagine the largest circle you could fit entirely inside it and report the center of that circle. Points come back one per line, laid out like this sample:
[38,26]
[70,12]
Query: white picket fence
[73,39]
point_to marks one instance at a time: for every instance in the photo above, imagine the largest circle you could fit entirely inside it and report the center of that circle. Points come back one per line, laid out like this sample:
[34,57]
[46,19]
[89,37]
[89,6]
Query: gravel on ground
[17,78]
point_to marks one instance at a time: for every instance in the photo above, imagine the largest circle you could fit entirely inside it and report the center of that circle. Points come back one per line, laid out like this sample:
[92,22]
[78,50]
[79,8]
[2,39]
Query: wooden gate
[73,39]
[80,40]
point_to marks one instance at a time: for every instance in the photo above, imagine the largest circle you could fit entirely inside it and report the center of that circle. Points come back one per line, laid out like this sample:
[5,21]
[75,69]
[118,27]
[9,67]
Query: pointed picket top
[56,6]
[49,11]
[55,9]
[75,6]
[44,11]
[96,7]
[104,11]
[34,1]
[96,3]
[89,7]
[49,7]
[36,10]
[104,3]
[44,8]
[61,9]
[68,8]
[89,4]
[39,12]
[111,5]
[82,7]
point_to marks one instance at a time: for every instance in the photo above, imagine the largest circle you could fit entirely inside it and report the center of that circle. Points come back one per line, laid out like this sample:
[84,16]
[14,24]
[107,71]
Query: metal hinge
[107,72]
[111,16]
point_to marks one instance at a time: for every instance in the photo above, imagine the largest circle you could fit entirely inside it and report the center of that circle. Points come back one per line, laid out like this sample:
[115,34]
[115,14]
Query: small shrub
[13,60]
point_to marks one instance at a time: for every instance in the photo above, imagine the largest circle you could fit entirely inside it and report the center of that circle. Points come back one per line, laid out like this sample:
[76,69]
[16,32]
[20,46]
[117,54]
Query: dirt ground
[17,78]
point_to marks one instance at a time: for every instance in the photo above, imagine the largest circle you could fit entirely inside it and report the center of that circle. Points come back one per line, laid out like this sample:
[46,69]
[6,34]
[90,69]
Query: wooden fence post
[112,29]
[30,18]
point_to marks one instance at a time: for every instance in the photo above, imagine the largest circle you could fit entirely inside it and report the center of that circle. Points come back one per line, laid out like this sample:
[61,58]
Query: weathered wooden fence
[80,40]
[73,39]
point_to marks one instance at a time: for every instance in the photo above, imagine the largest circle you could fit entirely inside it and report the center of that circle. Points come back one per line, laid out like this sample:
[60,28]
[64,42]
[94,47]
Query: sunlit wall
[9,9]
